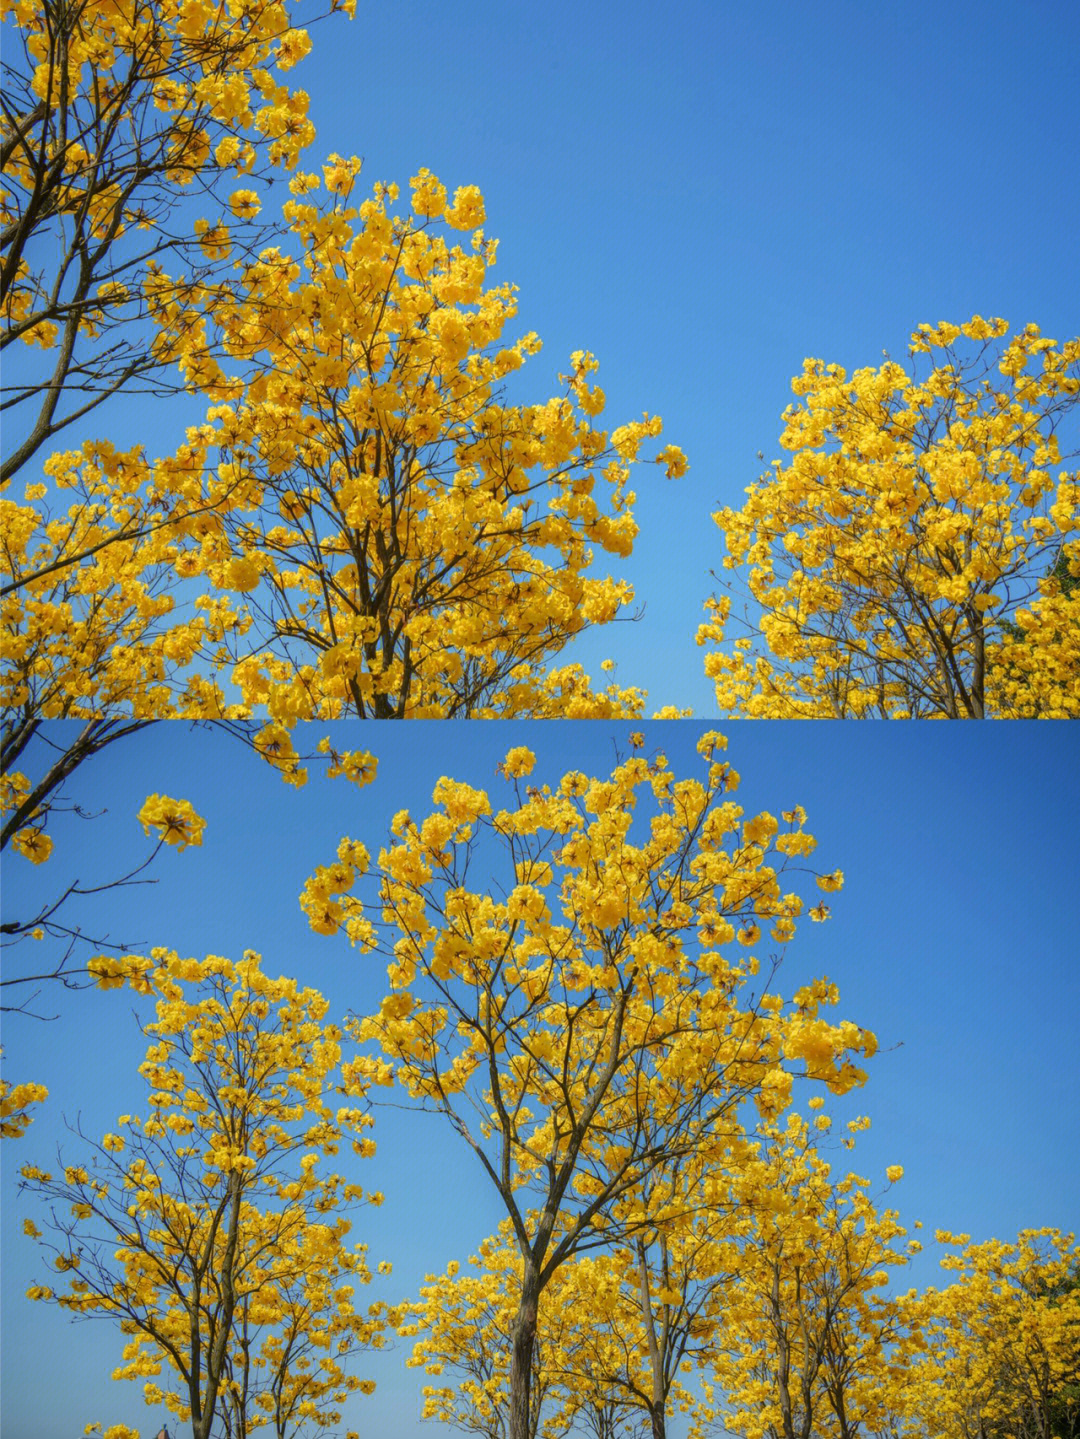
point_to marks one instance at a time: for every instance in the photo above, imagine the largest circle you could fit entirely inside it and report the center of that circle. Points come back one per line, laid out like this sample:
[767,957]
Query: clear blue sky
[704,194]
[955,940]
[701,194]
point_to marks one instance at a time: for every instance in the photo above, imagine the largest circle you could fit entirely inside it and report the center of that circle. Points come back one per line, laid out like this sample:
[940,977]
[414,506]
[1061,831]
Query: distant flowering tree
[805,1334]
[997,1351]
[579,1053]
[916,556]
[204,1228]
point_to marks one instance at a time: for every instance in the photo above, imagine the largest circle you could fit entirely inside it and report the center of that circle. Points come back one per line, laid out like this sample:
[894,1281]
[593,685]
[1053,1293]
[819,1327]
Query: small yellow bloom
[175,819]
[674,462]
[34,844]
[518,763]
[245,204]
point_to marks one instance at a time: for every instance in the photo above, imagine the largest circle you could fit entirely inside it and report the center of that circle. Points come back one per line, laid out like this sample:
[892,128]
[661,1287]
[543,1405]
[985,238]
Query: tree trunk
[658,1406]
[522,1342]
[783,1355]
[840,1410]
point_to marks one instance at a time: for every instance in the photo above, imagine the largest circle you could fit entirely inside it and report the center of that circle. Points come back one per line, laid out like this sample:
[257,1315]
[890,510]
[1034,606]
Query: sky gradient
[954,939]
[702,194]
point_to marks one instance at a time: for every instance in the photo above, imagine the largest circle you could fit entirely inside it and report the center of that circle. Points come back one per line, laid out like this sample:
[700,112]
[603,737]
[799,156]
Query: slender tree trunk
[522,1343]
[783,1354]
[659,1405]
[978,679]
[840,1410]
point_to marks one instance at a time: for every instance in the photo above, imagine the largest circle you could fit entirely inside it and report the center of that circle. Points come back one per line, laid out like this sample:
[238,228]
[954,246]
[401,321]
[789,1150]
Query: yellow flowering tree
[587,1017]
[997,1351]
[806,1334]
[205,1228]
[462,1321]
[113,115]
[908,559]
[400,538]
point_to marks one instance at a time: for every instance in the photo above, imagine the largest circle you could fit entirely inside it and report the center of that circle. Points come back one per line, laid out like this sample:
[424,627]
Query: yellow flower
[241,574]
[468,209]
[429,196]
[292,48]
[245,204]
[674,461]
[35,844]
[518,763]
[174,818]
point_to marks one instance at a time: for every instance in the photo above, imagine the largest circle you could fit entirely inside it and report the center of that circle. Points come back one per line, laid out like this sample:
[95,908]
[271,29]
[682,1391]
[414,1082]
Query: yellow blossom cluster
[918,554]
[15,1102]
[227,1259]
[174,820]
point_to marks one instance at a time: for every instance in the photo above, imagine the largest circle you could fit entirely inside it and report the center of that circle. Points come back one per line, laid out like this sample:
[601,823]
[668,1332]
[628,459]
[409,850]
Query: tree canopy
[908,561]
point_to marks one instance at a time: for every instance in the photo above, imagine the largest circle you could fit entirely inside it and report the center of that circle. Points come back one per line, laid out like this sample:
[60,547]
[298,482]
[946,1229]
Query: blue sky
[704,194]
[954,939]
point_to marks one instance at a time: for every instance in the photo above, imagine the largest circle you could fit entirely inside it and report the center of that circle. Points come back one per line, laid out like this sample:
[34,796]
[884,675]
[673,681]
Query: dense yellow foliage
[205,1226]
[113,113]
[805,1321]
[909,559]
[401,538]
[585,1018]
[998,1350]
[363,526]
